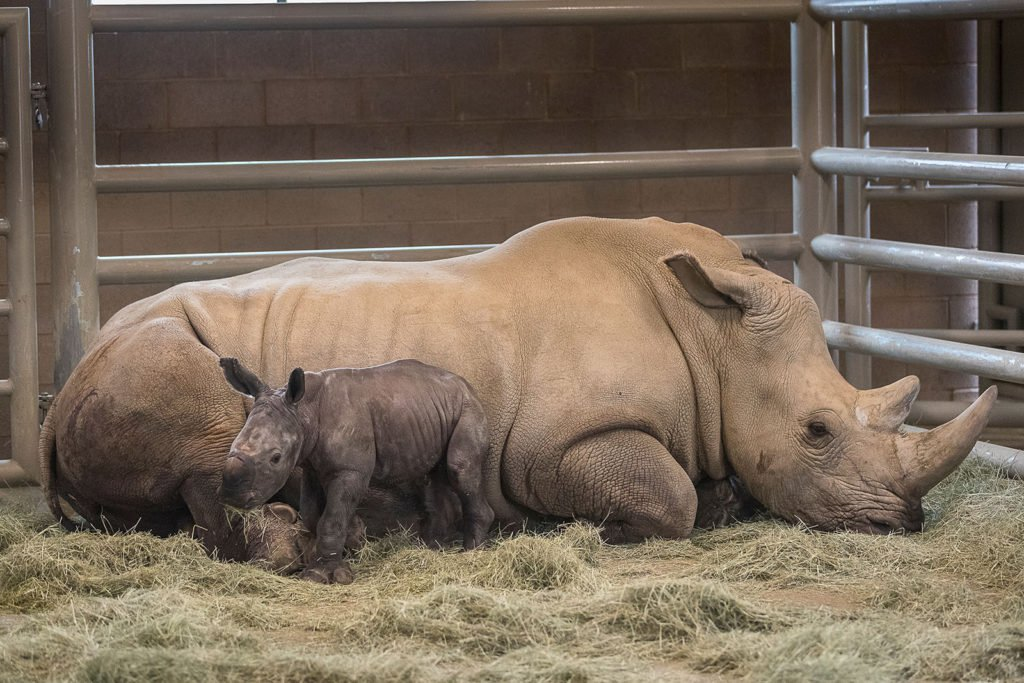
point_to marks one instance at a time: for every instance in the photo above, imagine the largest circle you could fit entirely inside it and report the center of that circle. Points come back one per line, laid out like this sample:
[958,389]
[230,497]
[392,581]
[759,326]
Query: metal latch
[40,108]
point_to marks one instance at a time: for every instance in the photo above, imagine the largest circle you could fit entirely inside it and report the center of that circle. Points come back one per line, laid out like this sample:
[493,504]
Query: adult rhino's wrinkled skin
[619,362]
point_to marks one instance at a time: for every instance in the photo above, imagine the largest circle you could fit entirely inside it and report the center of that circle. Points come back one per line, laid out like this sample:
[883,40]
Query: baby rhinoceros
[401,424]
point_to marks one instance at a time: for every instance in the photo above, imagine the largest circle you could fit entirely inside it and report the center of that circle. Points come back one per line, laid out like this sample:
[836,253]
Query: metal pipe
[978,337]
[1004,119]
[916,258]
[188,267]
[73,231]
[909,348]
[115,19]
[444,170]
[1010,460]
[1004,413]
[856,211]
[812,62]
[878,163]
[11,474]
[20,304]
[880,10]
[121,270]
[944,193]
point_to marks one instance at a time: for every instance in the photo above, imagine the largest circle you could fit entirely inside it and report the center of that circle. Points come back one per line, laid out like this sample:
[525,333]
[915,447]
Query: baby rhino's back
[413,409]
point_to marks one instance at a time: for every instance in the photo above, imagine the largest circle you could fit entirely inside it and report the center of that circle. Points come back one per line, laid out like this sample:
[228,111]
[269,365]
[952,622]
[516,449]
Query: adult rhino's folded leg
[721,502]
[626,481]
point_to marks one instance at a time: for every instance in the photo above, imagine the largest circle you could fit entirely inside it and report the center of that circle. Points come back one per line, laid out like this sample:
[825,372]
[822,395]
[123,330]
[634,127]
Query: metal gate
[813,159]
[18,229]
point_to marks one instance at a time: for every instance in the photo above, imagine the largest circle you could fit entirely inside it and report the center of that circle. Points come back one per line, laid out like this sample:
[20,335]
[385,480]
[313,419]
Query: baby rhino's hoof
[342,575]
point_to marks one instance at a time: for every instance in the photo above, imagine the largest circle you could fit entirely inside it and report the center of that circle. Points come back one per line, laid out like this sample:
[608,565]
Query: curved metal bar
[910,348]
[881,163]
[990,266]
[876,10]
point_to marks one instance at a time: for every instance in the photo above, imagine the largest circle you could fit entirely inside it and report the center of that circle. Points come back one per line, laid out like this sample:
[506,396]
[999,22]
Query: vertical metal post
[989,142]
[72,186]
[812,58]
[856,212]
[21,260]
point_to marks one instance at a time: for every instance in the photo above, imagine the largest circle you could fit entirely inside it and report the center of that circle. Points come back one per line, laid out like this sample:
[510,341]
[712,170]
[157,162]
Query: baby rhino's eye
[275,458]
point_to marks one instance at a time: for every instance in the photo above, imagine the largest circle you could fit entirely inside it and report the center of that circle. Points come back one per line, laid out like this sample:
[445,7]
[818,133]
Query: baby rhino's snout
[237,481]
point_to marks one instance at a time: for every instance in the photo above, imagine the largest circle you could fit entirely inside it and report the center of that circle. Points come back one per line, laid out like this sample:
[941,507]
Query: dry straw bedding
[760,601]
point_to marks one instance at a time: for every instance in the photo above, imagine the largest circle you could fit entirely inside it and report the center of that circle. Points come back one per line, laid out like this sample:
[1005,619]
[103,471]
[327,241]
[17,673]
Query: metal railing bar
[5,306]
[978,337]
[4,145]
[434,14]
[6,387]
[188,267]
[910,348]
[5,227]
[1005,119]
[944,193]
[12,474]
[916,258]
[878,10]
[878,163]
[1004,413]
[1007,459]
[444,170]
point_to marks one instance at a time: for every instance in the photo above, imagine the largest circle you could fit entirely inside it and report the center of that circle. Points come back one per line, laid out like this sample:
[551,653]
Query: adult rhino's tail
[48,471]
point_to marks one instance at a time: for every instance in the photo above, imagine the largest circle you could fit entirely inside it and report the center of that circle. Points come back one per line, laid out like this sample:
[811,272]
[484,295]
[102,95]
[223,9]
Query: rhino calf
[720,502]
[398,424]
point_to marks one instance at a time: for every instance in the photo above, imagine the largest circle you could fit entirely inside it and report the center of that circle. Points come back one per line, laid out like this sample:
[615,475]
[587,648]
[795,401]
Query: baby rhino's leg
[441,508]
[467,450]
[341,496]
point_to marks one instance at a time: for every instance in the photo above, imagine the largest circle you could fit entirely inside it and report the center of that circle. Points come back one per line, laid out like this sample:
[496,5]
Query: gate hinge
[40,107]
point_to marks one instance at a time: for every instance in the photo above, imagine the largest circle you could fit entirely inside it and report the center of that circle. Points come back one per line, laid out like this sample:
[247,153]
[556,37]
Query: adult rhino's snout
[237,481]
[929,457]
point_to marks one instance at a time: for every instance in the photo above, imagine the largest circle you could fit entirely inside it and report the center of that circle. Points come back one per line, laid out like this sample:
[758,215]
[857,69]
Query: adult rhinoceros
[619,362]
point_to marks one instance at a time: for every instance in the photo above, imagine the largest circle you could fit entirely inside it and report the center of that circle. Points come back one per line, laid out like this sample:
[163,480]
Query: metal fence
[813,158]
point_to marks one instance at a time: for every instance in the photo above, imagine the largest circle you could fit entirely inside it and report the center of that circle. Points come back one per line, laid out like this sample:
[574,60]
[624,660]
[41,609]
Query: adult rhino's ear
[241,378]
[296,386]
[710,286]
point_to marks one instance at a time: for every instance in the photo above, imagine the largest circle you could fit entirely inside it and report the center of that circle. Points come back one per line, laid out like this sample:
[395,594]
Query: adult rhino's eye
[819,433]
[275,458]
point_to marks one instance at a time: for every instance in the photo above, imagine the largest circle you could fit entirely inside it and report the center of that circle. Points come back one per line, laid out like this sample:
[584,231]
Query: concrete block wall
[218,96]
[924,67]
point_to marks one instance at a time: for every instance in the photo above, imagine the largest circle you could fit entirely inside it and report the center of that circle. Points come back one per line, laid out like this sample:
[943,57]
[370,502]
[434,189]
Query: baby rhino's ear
[241,378]
[296,386]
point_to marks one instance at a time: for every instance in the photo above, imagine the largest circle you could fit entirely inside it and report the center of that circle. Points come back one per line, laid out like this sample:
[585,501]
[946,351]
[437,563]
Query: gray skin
[721,502]
[619,362]
[400,424]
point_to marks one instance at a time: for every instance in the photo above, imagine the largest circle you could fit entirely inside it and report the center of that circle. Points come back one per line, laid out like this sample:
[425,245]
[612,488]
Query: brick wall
[165,97]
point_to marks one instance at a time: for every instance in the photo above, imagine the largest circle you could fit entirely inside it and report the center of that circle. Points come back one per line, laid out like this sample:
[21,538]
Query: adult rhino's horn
[928,457]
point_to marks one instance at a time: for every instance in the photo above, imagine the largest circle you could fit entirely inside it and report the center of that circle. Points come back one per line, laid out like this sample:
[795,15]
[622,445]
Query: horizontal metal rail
[979,337]
[248,175]
[107,18]
[1003,119]
[1010,460]
[121,270]
[879,163]
[909,348]
[944,193]
[990,266]
[13,474]
[878,10]
[1004,413]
